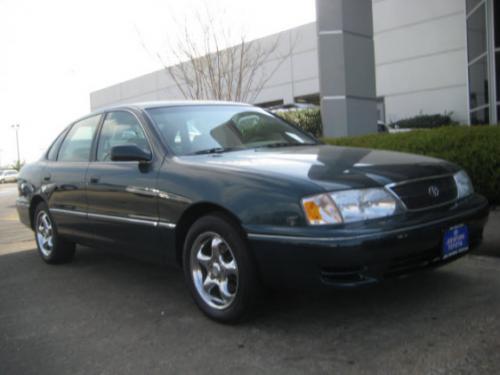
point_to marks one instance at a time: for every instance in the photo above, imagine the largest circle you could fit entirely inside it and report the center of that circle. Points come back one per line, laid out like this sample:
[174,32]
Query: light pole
[16,127]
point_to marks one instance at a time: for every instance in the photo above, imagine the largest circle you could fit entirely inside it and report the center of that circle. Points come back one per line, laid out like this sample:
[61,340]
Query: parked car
[382,127]
[241,199]
[291,107]
[8,175]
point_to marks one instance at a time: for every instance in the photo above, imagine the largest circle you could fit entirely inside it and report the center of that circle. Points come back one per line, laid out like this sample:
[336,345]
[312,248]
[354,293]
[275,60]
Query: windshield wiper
[220,150]
[215,150]
[284,144]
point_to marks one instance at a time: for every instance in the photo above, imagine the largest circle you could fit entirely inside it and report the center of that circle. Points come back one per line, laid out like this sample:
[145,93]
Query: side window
[78,141]
[120,128]
[52,154]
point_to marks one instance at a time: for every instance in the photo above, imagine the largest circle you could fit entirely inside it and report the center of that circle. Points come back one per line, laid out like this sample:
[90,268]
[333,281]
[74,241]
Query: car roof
[158,104]
[168,103]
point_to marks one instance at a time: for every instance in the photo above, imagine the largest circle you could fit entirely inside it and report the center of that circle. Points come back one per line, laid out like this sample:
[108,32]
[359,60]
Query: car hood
[331,167]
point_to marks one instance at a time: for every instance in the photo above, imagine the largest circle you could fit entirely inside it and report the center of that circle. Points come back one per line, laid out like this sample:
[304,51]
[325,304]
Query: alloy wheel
[214,270]
[44,233]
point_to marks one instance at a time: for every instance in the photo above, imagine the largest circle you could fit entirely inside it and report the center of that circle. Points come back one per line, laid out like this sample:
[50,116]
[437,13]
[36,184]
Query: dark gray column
[346,67]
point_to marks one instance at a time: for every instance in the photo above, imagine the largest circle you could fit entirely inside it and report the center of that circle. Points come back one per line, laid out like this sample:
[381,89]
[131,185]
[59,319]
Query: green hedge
[306,119]
[425,121]
[476,149]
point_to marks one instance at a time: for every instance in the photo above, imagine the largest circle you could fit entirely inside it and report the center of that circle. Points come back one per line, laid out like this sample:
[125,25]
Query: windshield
[190,130]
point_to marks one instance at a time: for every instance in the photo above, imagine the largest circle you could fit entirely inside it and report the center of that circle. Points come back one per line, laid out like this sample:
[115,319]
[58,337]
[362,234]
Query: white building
[427,56]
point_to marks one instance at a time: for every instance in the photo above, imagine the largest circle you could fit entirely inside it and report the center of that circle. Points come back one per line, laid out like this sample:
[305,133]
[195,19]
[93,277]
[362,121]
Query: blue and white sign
[455,241]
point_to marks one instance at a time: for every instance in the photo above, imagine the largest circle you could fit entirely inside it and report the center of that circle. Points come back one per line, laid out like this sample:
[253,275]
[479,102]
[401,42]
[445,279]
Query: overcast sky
[54,53]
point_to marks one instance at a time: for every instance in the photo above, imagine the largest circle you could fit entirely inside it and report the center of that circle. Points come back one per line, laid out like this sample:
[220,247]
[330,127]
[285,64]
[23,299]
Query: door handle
[94,180]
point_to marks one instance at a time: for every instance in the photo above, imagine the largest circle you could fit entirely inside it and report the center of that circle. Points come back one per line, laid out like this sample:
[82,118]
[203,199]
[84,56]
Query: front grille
[427,192]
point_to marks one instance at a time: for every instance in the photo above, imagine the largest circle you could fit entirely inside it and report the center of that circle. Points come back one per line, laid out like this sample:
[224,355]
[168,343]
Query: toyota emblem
[433,191]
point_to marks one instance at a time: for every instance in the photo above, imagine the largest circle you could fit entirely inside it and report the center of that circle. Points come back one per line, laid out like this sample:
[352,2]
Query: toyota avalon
[241,199]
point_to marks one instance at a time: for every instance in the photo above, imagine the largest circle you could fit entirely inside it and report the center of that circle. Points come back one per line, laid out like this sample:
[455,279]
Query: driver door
[122,203]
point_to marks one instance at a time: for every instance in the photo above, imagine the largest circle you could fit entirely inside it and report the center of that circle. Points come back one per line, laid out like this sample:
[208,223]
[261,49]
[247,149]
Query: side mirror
[129,153]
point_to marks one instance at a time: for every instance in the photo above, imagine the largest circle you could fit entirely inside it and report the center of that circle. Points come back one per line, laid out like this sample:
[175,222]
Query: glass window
[381,110]
[497,74]
[273,103]
[119,129]
[480,117]
[199,129]
[52,154]
[77,144]
[471,4]
[309,99]
[496,23]
[476,33]
[478,83]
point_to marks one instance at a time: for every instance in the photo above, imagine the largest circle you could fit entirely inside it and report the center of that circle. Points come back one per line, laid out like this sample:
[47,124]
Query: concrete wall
[420,55]
[297,76]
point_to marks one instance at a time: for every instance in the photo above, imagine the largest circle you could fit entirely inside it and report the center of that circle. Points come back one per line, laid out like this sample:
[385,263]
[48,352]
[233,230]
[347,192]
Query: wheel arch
[35,201]
[192,214]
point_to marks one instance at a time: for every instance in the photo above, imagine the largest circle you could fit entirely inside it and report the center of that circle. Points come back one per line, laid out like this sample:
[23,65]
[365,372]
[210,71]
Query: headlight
[349,206]
[464,184]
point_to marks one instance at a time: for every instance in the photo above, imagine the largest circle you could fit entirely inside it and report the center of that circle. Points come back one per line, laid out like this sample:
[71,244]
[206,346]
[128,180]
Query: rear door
[122,196]
[64,178]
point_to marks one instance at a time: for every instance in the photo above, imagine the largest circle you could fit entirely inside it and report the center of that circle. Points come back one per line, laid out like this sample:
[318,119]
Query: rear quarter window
[78,142]
[52,154]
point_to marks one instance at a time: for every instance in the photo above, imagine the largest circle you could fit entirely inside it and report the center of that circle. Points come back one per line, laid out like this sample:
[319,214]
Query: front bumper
[363,253]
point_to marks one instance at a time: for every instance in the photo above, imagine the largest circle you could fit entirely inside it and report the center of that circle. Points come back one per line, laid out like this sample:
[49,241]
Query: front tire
[219,269]
[52,248]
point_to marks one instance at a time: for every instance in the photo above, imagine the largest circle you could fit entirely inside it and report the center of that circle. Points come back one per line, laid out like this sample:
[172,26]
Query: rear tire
[52,248]
[219,269]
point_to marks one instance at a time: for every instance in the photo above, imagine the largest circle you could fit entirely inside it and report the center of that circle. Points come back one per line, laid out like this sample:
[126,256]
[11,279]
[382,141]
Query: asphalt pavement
[108,314]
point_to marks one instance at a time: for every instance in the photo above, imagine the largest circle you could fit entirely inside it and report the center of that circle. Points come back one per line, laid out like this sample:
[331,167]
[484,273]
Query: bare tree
[209,65]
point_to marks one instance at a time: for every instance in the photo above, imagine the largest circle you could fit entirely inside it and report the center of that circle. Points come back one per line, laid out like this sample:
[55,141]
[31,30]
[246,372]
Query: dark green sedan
[241,199]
